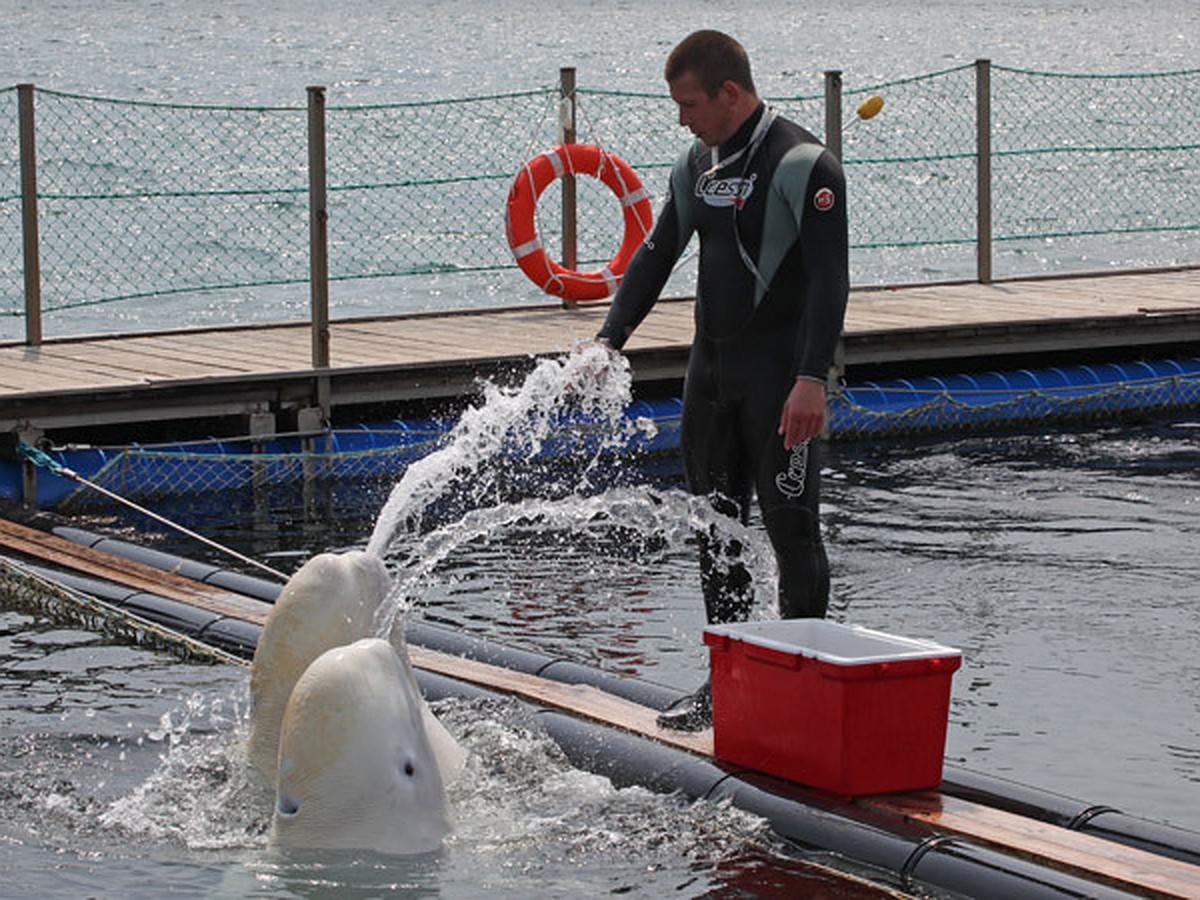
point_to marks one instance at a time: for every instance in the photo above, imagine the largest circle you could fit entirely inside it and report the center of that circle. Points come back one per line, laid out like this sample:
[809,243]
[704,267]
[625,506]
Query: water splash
[523,803]
[578,398]
[642,515]
[203,795]
[572,407]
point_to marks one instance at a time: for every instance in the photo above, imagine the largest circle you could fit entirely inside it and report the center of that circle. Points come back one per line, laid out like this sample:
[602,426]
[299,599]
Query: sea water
[1060,561]
[239,54]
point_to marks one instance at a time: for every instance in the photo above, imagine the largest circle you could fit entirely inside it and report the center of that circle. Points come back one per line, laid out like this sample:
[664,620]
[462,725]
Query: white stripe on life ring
[526,248]
[634,197]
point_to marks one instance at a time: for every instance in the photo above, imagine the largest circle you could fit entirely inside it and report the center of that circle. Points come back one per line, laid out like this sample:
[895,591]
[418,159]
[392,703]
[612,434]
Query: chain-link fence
[11,258]
[419,188]
[200,214]
[1114,157]
[146,199]
[911,179]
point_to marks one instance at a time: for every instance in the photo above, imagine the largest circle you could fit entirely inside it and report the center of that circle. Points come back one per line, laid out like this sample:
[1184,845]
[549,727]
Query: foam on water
[526,819]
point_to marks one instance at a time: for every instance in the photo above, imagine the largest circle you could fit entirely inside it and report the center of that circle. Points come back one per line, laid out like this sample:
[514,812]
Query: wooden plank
[442,343]
[51,548]
[928,321]
[578,699]
[18,379]
[239,352]
[132,364]
[1122,866]
[423,343]
[391,335]
[44,366]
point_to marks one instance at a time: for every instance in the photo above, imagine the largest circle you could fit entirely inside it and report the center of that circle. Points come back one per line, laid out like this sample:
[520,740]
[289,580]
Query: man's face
[708,118]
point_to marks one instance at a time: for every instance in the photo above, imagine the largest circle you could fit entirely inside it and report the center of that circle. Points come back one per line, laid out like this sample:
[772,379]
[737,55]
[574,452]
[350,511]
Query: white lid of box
[832,642]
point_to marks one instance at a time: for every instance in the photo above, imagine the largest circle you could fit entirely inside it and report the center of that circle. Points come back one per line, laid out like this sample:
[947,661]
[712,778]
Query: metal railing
[975,172]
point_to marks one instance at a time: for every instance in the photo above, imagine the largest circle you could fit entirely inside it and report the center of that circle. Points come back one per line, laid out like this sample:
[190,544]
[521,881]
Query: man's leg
[713,461]
[789,489]
[724,579]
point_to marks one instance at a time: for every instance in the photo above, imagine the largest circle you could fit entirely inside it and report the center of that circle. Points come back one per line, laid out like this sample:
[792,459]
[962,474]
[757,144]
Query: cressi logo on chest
[724,191]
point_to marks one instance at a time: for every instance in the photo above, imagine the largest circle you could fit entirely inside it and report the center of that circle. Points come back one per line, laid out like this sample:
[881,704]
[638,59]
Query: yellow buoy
[870,107]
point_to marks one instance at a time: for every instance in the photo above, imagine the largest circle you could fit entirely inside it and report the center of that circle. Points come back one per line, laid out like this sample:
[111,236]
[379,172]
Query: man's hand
[803,414]
[592,365]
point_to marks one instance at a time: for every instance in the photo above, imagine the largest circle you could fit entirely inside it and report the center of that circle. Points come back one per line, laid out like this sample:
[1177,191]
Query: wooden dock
[259,378]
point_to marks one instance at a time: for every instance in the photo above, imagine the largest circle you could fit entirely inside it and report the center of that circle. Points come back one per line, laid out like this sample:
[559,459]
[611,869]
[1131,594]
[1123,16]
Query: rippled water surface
[239,53]
[1062,564]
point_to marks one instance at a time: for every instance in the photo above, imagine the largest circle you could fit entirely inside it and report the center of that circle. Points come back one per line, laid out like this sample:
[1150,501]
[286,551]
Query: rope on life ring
[521,227]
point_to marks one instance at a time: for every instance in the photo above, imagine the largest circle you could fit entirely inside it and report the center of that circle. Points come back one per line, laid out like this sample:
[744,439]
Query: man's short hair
[714,58]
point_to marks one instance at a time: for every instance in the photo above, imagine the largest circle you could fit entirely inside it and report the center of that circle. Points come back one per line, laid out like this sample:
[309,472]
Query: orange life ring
[526,244]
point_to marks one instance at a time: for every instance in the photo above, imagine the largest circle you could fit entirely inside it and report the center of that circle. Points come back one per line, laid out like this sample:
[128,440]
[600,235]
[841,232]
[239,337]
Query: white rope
[628,198]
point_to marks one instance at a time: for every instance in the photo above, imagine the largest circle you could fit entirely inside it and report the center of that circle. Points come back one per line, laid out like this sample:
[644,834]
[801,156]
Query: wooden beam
[1091,857]
[50,548]
[578,699]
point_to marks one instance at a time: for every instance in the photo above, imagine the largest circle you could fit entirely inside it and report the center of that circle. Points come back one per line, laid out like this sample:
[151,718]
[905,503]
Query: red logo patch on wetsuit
[823,199]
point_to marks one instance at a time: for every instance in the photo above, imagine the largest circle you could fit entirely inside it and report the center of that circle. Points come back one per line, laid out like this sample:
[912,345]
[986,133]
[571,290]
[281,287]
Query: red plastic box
[836,707]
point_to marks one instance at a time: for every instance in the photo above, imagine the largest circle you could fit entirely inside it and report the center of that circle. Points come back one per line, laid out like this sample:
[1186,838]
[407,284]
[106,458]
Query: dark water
[1061,563]
[121,775]
[1064,566]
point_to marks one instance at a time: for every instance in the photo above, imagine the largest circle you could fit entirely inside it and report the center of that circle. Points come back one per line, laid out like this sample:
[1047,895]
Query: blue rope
[43,460]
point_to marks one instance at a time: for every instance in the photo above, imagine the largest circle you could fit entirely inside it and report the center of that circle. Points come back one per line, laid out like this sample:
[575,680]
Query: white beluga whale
[336,723]
[356,768]
[330,601]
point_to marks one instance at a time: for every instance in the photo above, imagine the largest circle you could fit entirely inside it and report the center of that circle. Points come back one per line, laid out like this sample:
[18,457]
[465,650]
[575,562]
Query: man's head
[714,58]
[708,74]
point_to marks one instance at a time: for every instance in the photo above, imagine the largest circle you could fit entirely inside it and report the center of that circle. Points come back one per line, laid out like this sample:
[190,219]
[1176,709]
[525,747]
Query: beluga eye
[409,768]
[288,806]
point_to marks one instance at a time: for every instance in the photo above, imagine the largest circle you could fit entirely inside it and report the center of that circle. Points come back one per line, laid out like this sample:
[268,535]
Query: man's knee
[795,535]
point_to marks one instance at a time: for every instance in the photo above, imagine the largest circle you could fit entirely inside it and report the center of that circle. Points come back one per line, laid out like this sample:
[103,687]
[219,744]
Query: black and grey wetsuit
[770,211]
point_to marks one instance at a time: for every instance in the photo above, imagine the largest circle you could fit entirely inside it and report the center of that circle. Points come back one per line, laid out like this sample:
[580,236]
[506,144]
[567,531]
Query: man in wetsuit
[768,203]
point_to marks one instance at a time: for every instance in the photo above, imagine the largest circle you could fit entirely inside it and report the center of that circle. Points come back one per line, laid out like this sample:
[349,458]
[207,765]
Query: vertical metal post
[29,216]
[27,434]
[833,112]
[983,170]
[566,123]
[833,143]
[318,228]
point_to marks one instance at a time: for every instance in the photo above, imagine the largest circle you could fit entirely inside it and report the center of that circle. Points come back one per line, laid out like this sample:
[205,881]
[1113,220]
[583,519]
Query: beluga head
[330,601]
[338,725]
[356,767]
